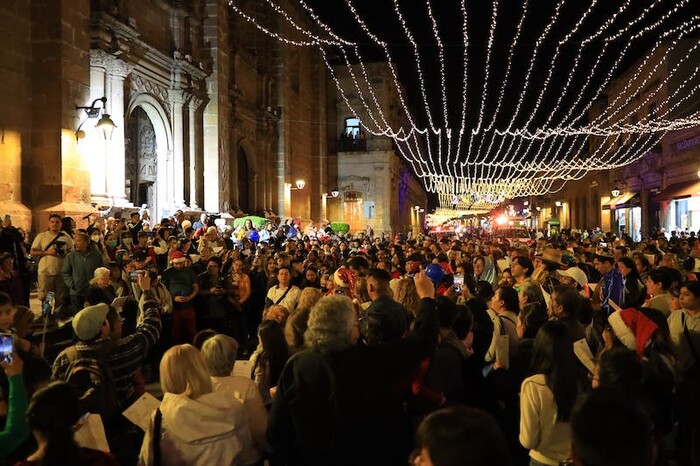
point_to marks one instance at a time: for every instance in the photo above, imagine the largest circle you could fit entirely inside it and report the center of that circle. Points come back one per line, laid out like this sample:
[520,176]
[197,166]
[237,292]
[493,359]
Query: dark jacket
[391,317]
[78,269]
[635,293]
[344,407]
[445,372]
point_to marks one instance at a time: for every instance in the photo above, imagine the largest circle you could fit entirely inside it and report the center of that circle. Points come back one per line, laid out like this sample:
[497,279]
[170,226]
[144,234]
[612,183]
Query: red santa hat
[633,329]
[344,278]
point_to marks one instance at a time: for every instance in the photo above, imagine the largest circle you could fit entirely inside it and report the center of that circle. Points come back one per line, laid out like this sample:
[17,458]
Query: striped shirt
[127,355]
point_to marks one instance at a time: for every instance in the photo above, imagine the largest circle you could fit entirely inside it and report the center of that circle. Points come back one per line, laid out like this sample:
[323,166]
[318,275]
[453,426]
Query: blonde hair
[183,372]
[284,313]
[308,297]
[361,293]
[405,293]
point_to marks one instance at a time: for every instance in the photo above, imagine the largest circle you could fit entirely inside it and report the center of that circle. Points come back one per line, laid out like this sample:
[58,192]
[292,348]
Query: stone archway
[145,106]
[140,159]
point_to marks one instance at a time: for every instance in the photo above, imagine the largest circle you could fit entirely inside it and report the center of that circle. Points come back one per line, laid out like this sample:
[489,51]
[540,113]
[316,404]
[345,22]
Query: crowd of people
[579,348]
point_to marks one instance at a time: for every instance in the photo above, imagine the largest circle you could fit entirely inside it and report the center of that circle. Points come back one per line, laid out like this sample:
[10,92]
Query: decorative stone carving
[111,64]
[140,85]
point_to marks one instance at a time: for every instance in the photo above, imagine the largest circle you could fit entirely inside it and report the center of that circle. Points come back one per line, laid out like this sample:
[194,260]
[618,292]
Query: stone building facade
[375,186]
[210,114]
[661,189]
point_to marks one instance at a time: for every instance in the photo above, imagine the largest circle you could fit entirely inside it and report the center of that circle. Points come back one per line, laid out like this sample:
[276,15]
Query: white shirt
[51,265]
[548,440]
[679,340]
[289,301]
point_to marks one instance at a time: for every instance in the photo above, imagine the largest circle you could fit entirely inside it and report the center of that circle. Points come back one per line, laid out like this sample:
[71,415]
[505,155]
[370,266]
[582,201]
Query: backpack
[93,381]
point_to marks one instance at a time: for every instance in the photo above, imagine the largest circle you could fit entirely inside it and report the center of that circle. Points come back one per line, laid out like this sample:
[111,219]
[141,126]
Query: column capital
[177,96]
[195,102]
[112,65]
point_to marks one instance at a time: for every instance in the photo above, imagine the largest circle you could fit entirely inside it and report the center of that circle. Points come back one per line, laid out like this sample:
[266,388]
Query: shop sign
[687,144]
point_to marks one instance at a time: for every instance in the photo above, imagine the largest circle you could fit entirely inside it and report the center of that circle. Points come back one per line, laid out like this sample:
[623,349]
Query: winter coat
[213,429]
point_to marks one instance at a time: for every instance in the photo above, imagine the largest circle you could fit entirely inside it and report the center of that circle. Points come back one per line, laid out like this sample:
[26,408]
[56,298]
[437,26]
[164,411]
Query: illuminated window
[352,127]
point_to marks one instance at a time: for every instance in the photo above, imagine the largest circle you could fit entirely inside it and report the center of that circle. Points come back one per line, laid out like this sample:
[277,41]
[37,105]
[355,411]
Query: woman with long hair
[548,397]
[635,290]
[268,363]
[405,294]
[53,415]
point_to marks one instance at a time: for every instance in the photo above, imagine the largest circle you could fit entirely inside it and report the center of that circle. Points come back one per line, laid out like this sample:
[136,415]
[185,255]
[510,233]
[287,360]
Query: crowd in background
[362,349]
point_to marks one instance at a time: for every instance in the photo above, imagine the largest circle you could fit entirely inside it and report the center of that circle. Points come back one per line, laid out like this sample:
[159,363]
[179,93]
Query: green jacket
[16,429]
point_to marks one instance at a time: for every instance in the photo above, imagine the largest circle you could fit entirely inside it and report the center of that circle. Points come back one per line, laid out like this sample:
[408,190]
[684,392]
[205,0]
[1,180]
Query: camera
[60,248]
[134,275]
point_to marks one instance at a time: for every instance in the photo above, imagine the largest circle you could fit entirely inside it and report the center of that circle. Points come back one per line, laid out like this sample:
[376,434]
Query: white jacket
[548,439]
[247,393]
[211,430]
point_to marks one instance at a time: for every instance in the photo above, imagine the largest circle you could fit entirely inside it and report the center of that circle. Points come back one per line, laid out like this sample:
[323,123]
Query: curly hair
[405,293]
[330,324]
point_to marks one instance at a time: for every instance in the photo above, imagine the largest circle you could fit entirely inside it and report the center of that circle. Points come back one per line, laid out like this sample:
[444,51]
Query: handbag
[157,422]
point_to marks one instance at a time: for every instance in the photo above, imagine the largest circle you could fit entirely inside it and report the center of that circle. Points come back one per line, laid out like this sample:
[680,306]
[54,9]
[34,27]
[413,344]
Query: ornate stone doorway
[141,159]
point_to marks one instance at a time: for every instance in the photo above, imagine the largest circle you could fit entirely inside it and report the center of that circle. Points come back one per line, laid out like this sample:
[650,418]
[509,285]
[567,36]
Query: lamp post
[105,123]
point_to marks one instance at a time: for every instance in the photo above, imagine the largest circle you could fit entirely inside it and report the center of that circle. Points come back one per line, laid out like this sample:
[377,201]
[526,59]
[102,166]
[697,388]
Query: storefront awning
[625,201]
[620,201]
[682,190]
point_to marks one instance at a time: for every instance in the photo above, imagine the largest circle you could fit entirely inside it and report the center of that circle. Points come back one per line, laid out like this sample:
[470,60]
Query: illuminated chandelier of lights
[515,160]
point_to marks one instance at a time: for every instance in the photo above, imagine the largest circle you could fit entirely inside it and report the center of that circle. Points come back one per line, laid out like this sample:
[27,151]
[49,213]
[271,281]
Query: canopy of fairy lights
[524,135]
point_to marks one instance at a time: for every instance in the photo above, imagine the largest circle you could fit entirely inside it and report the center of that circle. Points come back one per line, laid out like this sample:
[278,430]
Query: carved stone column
[194,149]
[177,101]
[108,171]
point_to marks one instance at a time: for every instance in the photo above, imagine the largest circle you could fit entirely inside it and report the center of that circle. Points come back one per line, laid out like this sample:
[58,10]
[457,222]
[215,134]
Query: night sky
[382,20]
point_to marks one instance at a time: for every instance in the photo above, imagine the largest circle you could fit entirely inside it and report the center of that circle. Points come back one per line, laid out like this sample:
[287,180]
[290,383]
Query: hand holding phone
[7,347]
[458,281]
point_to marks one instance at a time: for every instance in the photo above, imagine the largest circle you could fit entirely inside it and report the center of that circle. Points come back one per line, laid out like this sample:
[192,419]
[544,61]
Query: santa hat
[633,329]
[344,278]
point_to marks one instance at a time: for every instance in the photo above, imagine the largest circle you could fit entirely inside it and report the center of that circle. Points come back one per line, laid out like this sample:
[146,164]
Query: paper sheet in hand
[119,302]
[241,368]
[92,434]
[547,297]
[502,346]
[140,412]
[584,354]
[503,264]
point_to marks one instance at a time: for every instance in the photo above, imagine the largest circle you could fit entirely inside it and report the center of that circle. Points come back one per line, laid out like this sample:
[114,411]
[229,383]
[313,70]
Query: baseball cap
[575,273]
[139,255]
[88,322]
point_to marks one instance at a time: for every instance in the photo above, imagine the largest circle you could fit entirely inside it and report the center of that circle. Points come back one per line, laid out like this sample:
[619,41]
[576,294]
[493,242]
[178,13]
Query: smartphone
[134,275]
[47,305]
[7,347]
[458,282]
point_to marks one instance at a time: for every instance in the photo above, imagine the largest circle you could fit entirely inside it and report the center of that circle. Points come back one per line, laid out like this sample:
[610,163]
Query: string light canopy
[508,102]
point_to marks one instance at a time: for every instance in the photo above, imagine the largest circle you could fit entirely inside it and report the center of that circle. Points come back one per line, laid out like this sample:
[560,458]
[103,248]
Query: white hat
[577,274]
